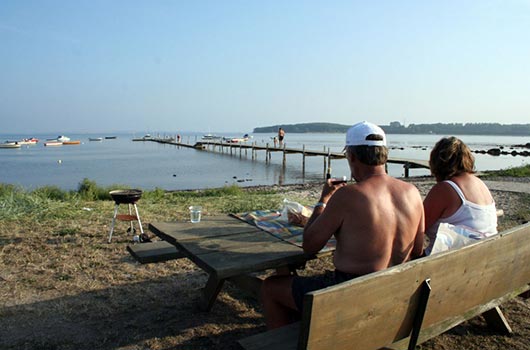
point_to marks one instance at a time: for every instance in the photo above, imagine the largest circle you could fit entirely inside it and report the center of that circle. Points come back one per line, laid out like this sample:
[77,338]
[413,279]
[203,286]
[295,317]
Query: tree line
[398,128]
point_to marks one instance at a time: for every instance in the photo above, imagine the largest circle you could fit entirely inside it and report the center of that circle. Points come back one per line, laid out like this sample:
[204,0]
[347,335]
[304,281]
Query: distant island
[398,128]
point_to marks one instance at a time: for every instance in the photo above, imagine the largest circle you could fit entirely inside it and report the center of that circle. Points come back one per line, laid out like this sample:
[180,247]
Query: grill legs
[131,217]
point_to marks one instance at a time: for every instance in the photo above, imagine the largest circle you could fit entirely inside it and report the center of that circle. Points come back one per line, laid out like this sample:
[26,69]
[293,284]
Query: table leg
[210,292]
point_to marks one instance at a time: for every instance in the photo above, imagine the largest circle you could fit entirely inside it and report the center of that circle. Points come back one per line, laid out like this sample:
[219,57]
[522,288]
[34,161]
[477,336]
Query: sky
[222,66]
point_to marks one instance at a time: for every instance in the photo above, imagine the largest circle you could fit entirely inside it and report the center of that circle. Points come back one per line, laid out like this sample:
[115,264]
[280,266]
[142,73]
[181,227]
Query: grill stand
[130,218]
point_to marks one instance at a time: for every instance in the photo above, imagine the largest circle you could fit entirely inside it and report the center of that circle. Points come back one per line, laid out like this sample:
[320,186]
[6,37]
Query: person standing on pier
[281,135]
[378,222]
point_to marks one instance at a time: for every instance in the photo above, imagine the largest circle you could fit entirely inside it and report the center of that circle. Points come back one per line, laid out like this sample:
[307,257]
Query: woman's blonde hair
[451,157]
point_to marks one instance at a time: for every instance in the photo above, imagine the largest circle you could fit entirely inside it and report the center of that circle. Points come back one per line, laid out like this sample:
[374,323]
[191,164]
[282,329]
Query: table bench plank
[244,259]
[151,252]
[213,227]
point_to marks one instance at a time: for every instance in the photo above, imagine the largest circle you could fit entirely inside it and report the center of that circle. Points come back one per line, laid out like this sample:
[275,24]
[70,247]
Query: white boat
[95,139]
[245,138]
[10,144]
[211,137]
[62,138]
[53,143]
[31,141]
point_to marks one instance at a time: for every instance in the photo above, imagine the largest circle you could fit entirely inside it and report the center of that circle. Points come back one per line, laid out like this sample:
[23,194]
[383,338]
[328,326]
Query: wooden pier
[244,147]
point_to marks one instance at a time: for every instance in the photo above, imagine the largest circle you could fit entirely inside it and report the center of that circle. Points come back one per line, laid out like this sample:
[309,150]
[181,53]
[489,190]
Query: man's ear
[350,156]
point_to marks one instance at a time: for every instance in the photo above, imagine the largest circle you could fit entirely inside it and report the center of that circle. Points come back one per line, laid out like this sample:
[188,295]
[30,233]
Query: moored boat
[53,143]
[211,137]
[62,138]
[10,144]
[74,142]
[95,139]
[245,138]
[30,141]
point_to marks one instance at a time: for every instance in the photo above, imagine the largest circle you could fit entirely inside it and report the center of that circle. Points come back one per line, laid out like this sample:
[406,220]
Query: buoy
[59,161]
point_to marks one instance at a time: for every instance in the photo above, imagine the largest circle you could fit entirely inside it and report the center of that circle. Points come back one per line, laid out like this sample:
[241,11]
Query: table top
[227,247]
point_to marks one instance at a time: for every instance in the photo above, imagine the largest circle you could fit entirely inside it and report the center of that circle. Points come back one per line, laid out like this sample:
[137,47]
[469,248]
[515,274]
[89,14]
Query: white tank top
[482,218]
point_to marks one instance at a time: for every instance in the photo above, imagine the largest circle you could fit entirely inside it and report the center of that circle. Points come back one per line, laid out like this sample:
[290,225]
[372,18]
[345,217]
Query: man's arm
[325,220]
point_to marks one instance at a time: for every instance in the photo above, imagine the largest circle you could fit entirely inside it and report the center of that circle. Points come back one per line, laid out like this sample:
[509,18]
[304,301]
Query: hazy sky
[195,65]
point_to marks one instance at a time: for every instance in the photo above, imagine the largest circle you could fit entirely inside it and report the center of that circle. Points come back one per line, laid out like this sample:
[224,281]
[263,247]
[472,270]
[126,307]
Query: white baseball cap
[365,134]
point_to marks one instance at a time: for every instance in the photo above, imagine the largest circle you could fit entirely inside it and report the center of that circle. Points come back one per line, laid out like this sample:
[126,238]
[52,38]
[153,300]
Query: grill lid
[126,196]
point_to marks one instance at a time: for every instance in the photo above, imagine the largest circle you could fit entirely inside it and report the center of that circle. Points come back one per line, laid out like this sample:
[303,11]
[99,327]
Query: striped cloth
[272,222]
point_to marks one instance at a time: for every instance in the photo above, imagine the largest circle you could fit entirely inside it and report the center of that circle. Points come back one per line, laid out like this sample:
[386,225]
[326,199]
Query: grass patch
[522,171]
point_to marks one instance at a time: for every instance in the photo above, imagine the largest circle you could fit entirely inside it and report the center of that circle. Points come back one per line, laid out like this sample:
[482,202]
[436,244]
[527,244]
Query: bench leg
[425,292]
[496,320]
[210,292]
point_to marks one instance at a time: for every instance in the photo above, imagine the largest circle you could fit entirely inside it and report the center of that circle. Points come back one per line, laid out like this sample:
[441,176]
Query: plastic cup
[195,213]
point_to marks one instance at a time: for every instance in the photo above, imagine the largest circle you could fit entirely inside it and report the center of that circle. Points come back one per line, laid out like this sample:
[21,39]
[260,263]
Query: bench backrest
[377,310]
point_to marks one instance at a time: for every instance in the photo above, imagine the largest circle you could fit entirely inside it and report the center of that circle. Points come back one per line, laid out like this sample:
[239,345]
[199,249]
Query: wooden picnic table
[228,248]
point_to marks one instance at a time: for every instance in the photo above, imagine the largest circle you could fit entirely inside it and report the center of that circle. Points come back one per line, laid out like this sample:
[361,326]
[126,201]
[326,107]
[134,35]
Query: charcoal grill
[129,197]
[126,196]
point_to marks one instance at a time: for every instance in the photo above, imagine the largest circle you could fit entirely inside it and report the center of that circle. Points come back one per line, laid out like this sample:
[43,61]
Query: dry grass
[63,287]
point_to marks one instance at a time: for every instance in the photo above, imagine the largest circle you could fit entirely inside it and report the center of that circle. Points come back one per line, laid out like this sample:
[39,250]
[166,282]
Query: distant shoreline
[482,129]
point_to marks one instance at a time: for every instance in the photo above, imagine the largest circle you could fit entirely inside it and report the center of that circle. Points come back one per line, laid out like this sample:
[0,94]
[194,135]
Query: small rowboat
[53,143]
[95,139]
[10,145]
[76,142]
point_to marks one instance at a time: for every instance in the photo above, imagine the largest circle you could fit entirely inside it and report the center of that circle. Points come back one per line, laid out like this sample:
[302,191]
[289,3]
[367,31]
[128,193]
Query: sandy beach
[63,287]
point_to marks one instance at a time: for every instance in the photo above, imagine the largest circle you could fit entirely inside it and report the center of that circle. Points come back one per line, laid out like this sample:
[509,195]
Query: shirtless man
[378,222]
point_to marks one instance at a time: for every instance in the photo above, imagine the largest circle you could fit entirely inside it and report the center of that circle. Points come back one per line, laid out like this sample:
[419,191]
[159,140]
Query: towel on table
[270,221]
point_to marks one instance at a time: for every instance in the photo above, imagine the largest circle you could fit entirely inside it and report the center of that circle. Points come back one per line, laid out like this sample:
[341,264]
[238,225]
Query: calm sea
[149,165]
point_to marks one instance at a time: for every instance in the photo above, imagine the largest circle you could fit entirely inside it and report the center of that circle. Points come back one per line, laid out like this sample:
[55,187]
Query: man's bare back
[380,225]
[377,222]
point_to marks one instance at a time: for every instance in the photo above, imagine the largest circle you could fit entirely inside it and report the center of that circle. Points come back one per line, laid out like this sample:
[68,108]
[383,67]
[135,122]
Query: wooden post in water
[253,150]
[303,160]
[267,153]
[329,159]
[284,160]
[406,166]
[325,163]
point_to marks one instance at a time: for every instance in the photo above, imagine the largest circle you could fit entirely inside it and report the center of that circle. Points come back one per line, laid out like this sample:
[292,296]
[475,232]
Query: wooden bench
[413,302]
[151,252]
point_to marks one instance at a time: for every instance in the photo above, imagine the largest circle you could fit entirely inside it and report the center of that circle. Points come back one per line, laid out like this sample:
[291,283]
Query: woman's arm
[436,202]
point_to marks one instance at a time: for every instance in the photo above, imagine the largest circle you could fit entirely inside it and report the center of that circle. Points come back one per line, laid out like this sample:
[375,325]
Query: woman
[459,197]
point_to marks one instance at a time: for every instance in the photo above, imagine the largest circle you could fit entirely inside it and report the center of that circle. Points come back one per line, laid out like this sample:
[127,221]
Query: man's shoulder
[405,188]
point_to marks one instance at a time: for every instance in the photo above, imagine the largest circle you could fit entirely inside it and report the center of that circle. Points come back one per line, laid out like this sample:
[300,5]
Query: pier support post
[303,160]
[267,153]
[406,166]
[329,160]
[324,173]
[284,160]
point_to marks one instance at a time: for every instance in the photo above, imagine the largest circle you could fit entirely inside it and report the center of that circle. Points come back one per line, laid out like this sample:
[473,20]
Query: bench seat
[381,309]
[152,252]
